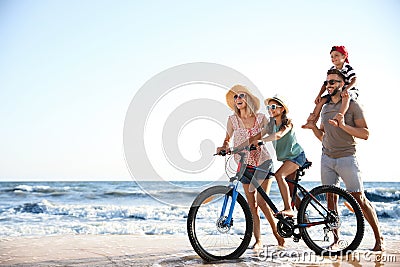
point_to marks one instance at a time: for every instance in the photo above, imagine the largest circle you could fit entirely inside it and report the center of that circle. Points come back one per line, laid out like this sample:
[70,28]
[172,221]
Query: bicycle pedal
[296,237]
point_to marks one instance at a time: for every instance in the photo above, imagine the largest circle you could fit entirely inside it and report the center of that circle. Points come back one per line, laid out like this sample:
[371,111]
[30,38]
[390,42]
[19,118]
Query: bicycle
[219,229]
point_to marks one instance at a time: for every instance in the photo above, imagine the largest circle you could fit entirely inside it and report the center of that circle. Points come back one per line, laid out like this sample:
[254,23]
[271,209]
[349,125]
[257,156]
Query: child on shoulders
[340,60]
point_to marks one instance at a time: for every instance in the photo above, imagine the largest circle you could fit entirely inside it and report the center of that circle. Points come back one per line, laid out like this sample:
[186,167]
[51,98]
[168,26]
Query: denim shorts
[250,172]
[346,168]
[300,159]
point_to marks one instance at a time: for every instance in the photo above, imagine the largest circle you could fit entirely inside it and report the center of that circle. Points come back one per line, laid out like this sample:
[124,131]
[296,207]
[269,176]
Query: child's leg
[297,201]
[314,116]
[345,105]
[343,109]
[286,169]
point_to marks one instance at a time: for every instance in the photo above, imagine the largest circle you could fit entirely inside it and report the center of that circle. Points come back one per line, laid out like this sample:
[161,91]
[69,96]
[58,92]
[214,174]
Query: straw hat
[278,99]
[241,89]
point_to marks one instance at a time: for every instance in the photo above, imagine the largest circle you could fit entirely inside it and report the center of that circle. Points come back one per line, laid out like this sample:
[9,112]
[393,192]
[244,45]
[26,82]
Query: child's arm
[321,91]
[345,102]
[278,135]
[265,128]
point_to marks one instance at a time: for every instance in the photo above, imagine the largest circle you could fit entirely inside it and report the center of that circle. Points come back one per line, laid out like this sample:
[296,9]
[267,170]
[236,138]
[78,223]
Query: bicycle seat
[305,165]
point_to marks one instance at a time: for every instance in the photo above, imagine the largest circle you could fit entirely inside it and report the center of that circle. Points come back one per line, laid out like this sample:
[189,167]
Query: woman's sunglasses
[273,106]
[240,96]
[331,82]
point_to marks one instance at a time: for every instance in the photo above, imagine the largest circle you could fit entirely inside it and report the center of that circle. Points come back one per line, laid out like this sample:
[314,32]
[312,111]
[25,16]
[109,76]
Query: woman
[242,125]
[287,149]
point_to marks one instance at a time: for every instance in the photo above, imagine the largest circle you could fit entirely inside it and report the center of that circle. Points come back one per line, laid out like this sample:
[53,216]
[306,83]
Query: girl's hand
[255,142]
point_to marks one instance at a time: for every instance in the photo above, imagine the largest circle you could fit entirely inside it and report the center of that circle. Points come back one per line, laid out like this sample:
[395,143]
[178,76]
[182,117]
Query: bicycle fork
[228,220]
[240,170]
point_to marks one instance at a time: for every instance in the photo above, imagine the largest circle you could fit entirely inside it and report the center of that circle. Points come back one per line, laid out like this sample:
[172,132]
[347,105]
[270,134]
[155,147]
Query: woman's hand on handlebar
[226,150]
[223,151]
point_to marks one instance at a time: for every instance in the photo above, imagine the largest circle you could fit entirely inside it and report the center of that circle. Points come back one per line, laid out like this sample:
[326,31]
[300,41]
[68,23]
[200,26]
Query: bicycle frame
[227,234]
[239,174]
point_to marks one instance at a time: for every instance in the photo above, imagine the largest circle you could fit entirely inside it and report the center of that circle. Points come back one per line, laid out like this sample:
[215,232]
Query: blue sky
[69,69]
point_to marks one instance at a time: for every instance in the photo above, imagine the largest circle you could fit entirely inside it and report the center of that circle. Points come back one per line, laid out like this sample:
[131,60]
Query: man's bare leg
[371,217]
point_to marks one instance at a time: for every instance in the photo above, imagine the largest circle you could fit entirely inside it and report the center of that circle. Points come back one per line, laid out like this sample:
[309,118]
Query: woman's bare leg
[266,185]
[251,199]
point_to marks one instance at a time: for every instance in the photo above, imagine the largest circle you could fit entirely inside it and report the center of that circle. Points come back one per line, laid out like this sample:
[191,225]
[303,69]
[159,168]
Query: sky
[70,69]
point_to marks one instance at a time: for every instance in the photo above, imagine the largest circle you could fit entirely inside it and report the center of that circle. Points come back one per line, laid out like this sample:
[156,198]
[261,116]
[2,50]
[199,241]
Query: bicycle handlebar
[236,150]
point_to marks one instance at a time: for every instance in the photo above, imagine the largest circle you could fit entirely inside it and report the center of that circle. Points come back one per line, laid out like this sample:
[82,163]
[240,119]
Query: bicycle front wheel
[331,221]
[210,236]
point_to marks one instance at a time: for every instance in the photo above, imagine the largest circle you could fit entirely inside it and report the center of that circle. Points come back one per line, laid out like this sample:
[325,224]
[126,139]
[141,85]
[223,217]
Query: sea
[137,208]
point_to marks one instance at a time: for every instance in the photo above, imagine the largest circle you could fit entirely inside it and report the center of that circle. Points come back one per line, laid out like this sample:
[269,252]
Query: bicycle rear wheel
[210,238]
[333,219]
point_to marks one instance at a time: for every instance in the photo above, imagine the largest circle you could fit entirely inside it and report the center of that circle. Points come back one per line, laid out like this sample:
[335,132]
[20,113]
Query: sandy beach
[163,250]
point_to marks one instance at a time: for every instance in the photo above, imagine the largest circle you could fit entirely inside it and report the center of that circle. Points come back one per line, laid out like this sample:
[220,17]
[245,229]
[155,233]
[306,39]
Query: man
[339,148]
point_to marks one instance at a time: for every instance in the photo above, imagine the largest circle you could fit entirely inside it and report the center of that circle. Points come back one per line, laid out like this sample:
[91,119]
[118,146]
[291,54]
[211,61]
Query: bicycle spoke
[344,225]
[210,234]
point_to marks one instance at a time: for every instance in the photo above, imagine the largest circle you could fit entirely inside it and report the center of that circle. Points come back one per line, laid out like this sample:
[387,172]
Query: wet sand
[162,250]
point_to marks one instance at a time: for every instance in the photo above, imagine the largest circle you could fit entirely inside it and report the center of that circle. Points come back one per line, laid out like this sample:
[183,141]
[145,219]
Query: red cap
[342,50]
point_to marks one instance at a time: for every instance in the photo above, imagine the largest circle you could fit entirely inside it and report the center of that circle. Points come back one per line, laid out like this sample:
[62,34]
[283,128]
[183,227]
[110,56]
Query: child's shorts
[353,93]
[300,159]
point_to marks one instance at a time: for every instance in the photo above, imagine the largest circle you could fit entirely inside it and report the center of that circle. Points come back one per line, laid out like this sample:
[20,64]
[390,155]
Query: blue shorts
[300,159]
[267,167]
[346,168]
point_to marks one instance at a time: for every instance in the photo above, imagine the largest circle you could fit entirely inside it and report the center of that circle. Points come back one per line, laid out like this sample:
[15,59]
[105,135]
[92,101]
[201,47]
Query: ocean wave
[96,212]
[41,188]
[45,217]
[34,208]
[24,189]
[123,194]
[140,213]
[382,194]
[45,208]
[93,192]
[387,210]
[69,192]
[175,193]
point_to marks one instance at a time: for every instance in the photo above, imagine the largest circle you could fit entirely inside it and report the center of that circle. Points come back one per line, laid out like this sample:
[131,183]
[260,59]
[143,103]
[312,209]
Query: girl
[288,151]
[242,125]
